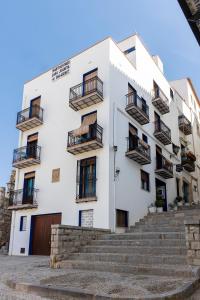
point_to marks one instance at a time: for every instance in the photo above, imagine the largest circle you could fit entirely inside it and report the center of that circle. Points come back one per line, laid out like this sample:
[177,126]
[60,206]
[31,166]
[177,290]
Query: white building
[99,136]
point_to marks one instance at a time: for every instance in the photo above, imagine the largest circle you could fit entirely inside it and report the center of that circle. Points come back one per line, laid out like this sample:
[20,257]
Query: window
[177,187]
[121,218]
[129,50]
[145,138]
[145,181]
[23,223]
[86,218]
[86,178]
[171,94]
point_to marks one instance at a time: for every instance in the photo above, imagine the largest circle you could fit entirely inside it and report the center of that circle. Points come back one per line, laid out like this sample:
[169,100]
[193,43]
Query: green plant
[179,199]
[159,201]
[171,206]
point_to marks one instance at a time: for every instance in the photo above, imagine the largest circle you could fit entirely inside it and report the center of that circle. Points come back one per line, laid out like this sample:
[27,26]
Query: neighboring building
[101,135]
[191,10]
[5,214]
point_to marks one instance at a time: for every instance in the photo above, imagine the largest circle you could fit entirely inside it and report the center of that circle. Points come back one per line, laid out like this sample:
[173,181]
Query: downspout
[114,172]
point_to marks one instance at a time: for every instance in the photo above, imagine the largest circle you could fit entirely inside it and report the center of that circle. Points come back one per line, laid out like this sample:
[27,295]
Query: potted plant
[179,200]
[175,204]
[171,206]
[159,203]
[152,208]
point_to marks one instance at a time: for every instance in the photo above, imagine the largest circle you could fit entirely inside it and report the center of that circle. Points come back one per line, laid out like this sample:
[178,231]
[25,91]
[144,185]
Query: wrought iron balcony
[86,188]
[162,132]
[138,150]
[91,140]
[26,156]
[164,167]
[23,199]
[187,161]
[137,108]
[86,94]
[160,101]
[29,118]
[184,125]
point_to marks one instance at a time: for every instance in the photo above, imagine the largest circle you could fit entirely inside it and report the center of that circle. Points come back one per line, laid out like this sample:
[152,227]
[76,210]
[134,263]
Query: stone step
[161,222]
[160,270]
[142,242]
[144,235]
[131,258]
[135,250]
[156,228]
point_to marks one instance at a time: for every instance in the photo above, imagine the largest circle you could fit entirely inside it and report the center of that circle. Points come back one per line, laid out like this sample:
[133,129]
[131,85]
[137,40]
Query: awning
[84,128]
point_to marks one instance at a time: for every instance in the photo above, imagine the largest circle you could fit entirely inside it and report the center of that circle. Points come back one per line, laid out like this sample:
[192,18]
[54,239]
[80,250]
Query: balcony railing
[29,118]
[26,156]
[24,198]
[137,108]
[164,167]
[86,188]
[162,132]
[86,94]
[138,150]
[184,125]
[187,161]
[160,101]
[83,143]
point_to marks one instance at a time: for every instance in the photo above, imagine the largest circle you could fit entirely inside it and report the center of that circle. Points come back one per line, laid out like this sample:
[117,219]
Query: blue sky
[36,35]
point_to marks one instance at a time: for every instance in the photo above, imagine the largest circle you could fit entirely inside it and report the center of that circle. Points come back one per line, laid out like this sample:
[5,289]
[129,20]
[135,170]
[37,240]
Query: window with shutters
[145,181]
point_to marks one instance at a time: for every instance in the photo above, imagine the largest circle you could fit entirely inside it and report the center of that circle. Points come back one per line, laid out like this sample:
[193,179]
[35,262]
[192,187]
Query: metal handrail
[158,93]
[133,98]
[135,143]
[29,113]
[182,120]
[87,87]
[161,126]
[95,133]
[23,196]
[26,152]
[164,163]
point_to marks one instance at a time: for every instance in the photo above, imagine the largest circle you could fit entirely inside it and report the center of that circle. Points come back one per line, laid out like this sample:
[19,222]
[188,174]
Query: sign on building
[61,70]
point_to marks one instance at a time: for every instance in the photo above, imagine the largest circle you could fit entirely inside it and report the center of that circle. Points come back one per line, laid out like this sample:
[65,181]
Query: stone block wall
[192,227]
[66,240]
[5,222]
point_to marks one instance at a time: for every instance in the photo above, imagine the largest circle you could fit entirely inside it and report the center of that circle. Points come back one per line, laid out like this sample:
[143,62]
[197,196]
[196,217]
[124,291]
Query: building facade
[100,137]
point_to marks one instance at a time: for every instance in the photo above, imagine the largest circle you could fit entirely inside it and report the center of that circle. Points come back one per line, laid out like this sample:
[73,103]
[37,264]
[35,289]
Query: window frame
[147,182]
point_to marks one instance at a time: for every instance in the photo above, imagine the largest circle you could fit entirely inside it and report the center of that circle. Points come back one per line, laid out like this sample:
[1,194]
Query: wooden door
[41,233]
[35,107]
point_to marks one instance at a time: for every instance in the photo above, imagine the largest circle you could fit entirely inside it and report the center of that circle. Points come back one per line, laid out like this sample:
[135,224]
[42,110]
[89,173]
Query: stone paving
[35,270]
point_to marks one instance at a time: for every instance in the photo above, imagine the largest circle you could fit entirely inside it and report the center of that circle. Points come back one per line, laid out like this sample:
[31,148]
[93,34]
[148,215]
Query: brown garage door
[41,233]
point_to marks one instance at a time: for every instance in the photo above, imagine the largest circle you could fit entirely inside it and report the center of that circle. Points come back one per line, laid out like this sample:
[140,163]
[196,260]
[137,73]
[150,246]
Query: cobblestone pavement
[35,270]
[23,269]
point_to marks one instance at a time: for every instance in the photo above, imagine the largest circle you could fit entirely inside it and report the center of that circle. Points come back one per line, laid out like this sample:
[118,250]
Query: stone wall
[192,227]
[66,240]
[5,222]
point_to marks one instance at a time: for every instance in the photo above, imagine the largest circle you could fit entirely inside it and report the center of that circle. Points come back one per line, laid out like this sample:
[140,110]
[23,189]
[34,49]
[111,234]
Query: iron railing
[23,196]
[158,93]
[85,88]
[163,163]
[27,152]
[133,99]
[95,133]
[161,127]
[183,121]
[34,111]
[135,143]
[86,186]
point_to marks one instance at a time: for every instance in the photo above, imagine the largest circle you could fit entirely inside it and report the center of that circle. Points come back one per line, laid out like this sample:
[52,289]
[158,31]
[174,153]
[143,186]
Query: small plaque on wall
[56,175]
[60,71]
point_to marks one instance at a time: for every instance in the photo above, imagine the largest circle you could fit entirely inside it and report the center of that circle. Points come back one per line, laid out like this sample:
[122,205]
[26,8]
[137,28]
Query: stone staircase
[155,246]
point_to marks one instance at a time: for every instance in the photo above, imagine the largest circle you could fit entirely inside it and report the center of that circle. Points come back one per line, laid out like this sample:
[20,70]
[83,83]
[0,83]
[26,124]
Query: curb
[60,293]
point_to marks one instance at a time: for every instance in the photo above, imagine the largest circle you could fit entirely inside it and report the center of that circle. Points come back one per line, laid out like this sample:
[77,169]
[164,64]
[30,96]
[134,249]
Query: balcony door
[31,150]
[35,107]
[161,192]
[89,82]
[28,189]
[133,138]
[156,89]
[157,122]
[159,164]
[87,180]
